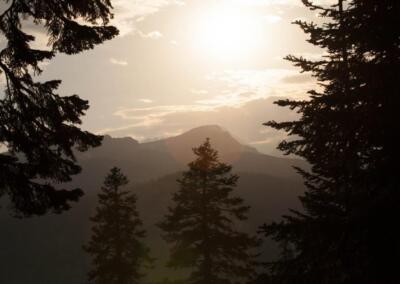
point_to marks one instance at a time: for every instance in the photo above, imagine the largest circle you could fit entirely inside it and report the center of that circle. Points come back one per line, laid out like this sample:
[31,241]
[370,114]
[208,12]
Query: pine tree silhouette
[201,223]
[346,233]
[38,127]
[116,246]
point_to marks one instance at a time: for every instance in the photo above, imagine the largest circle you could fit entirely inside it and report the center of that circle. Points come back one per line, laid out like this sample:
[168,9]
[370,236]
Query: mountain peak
[207,131]
[201,133]
[144,161]
[210,127]
[181,146]
[123,140]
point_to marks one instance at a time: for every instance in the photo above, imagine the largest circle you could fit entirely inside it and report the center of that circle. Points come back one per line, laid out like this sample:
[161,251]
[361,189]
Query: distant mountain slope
[180,146]
[139,163]
[47,250]
[145,161]
[244,158]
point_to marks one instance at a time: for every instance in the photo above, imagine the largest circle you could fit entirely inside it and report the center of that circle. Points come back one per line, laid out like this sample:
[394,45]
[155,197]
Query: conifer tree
[116,247]
[38,127]
[201,224]
[347,231]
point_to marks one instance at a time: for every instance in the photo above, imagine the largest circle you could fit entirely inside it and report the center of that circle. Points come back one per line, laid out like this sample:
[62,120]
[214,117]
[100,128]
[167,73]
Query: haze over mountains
[144,161]
[48,248]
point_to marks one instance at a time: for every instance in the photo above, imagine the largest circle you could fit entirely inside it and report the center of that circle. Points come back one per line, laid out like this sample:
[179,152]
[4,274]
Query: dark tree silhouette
[347,132]
[37,126]
[201,223]
[116,244]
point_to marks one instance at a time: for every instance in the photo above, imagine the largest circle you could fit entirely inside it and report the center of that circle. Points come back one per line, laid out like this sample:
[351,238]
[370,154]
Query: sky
[179,64]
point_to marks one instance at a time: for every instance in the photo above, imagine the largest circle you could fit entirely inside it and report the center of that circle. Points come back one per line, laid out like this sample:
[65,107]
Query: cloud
[244,122]
[150,116]
[129,12]
[229,99]
[140,124]
[118,62]
[244,87]
[250,78]
[158,112]
[298,78]
[146,101]
[239,100]
[261,142]
[151,35]
[259,83]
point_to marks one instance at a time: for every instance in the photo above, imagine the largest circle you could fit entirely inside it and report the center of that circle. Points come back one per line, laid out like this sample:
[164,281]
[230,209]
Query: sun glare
[228,33]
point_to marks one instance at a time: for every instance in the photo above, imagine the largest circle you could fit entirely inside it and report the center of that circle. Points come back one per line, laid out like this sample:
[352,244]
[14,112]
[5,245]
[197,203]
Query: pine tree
[38,127]
[116,244]
[201,224]
[347,232]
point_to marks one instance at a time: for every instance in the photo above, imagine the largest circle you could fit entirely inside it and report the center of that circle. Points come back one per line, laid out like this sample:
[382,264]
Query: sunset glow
[228,33]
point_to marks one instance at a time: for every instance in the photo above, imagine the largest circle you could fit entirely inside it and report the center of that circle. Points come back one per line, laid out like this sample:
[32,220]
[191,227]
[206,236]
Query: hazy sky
[180,64]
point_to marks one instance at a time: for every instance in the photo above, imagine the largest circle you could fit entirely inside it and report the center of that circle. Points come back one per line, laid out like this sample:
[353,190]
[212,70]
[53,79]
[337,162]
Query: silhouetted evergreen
[347,232]
[201,224]
[37,126]
[116,246]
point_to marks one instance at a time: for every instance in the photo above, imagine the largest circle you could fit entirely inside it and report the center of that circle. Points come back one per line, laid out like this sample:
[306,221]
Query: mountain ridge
[149,160]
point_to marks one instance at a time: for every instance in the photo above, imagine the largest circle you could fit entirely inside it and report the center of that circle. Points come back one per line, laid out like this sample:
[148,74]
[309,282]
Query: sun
[229,33]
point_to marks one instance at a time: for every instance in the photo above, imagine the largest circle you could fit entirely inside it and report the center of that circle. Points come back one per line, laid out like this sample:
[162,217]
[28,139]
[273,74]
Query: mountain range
[48,249]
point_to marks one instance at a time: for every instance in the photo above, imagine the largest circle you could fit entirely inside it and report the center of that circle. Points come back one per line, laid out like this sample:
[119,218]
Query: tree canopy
[202,224]
[38,127]
[347,132]
[116,247]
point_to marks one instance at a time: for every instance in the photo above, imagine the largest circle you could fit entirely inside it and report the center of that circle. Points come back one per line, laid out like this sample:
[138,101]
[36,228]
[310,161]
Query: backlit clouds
[229,99]
[118,62]
[164,121]
[297,79]
[240,89]
[263,83]
[243,102]
[161,82]
[158,112]
[129,12]
[146,101]
[151,35]
[251,79]
[231,89]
